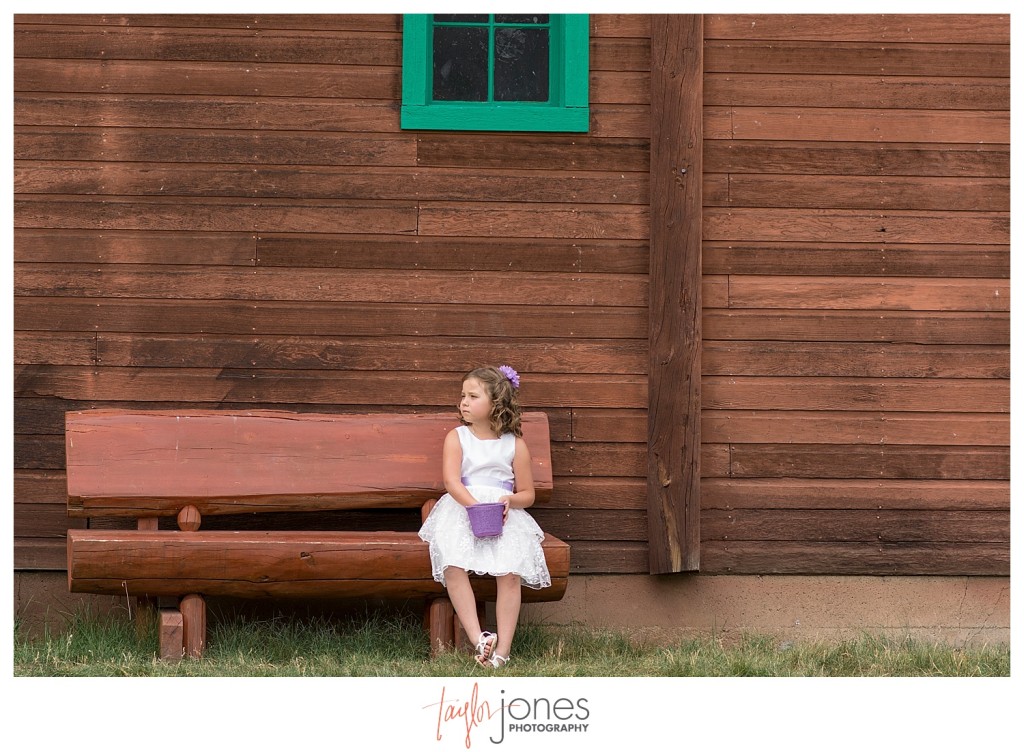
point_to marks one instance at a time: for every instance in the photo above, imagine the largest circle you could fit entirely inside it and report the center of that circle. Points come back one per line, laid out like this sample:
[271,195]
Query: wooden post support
[171,634]
[193,614]
[442,616]
[673,416]
[145,606]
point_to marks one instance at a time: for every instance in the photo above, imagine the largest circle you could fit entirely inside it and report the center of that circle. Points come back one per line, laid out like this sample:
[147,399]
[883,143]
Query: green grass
[376,645]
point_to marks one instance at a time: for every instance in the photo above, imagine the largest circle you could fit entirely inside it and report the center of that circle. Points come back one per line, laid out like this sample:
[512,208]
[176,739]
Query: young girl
[486,460]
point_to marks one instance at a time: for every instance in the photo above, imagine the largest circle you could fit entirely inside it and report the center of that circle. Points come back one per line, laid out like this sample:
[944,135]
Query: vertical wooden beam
[193,619]
[673,422]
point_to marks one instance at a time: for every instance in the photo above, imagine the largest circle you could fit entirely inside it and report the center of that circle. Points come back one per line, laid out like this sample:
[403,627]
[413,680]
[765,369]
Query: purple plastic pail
[486,519]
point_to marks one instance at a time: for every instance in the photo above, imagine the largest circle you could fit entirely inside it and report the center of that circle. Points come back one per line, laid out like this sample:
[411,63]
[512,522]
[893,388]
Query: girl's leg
[460,593]
[506,611]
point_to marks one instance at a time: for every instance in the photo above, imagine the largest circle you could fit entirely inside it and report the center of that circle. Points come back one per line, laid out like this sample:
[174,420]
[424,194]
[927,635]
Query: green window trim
[568,109]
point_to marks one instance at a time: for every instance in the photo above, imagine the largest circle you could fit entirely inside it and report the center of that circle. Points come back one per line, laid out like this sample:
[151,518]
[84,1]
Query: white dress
[487,473]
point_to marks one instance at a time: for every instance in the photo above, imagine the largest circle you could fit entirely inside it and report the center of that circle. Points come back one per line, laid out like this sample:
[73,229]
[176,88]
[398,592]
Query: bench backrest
[152,463]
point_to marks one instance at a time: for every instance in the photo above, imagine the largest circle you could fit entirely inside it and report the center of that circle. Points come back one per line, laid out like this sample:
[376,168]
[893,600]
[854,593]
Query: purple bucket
[486,519]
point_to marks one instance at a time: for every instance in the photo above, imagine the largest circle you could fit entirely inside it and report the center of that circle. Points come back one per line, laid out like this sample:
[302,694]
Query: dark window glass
[523,18]
[521,65]
[461,17]
[460,64]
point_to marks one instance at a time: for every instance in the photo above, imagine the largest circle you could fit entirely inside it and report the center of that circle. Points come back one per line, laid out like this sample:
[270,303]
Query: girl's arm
[451,470]
[521,467]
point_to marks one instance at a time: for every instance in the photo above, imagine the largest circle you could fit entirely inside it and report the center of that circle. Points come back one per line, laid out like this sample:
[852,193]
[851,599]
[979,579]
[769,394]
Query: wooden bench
[197,463]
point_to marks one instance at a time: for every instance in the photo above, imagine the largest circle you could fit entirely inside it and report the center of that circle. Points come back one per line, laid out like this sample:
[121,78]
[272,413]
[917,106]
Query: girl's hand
[507,501]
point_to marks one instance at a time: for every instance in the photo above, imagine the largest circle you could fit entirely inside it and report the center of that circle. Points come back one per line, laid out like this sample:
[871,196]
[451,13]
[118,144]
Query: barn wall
[856,371]
[223,210]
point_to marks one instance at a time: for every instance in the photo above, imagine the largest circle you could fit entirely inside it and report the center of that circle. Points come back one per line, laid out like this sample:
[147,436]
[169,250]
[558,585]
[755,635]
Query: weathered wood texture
[221,212]
[674,373]
[233,462]
[272,564]
[856,200]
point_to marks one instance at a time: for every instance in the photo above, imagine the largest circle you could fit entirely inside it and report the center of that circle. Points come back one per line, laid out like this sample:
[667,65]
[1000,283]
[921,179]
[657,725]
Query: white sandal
[495,661]
[485,645]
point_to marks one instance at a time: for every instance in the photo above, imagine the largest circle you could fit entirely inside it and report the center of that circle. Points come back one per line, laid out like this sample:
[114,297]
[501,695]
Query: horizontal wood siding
[221,210]
[856,379]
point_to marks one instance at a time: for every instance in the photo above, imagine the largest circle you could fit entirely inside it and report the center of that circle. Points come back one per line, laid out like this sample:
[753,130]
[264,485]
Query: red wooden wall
[856,232]
[223,210]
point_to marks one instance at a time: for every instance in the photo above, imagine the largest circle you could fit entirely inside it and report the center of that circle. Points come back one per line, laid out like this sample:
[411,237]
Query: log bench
[193,464]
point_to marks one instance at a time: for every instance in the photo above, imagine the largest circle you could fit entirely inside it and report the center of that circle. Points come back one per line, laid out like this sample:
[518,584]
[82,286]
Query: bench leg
[193,614]
[440,619]
[172,634]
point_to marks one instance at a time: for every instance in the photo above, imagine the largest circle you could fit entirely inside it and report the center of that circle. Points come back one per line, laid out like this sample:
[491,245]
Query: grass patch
[375,645]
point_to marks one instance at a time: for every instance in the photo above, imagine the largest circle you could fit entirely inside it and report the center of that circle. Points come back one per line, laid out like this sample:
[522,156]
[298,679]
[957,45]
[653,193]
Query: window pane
[461,17]
[523,18]
[521,65]
[460,64]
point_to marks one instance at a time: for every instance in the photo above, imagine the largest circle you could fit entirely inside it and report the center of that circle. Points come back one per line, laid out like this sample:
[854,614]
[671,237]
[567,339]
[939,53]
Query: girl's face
[475,405]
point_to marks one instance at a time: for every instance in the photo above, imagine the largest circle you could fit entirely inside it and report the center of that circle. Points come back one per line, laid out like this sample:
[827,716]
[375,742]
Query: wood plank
[260,283]
[599,493]
[620,121]
[362,353]
[198,145]
[533,220]
[215,215]
[761,558]
[848,493]
[836,427]
[845,259]
[328,319]
[606,425]
[865,124]
[130,462]
[790,157]
[889,28]
[548,152]
[620,25]
[270,564]
[612,557]
[40,554]
[43,521]
[47,245]
[219,112]
[620,87]
[211,45]
[38,452]
[68,348]
[207,78]
[857,192]
[886,526]
[591,525]
[624,54]
[360,183]
[223,385]
[885,92]
[859,461]
[266,21]
[674,393]
[856,58]
[855,226]
[463,254]
[855,359]
[855,394]
[904,327]
[875,293]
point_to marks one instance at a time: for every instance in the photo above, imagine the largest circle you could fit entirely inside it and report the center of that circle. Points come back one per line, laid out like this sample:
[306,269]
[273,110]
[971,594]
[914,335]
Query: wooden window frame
[568,109]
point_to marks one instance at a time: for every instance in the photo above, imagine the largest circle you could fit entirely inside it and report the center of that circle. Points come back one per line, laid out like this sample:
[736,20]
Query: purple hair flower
[510,373]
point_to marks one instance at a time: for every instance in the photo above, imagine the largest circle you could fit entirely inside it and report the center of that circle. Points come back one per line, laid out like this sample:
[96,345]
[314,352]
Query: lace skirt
[516,551]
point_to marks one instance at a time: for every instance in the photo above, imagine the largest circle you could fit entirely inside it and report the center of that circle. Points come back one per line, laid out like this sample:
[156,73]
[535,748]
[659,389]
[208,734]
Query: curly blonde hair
[506,415]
